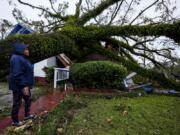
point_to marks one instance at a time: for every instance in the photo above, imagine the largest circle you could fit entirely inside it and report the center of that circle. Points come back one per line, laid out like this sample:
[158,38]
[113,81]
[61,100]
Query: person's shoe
[29,117]
[17,124]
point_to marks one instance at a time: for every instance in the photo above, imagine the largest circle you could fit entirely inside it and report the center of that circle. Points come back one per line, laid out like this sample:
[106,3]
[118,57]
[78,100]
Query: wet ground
[48,102]
[44,103]
[5,101]
[5,96]
[94,90]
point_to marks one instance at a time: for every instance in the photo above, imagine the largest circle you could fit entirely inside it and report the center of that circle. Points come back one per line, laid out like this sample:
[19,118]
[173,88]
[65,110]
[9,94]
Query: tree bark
[97,33]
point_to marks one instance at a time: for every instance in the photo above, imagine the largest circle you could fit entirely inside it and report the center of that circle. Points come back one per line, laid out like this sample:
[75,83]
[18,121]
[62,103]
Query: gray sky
[5,9]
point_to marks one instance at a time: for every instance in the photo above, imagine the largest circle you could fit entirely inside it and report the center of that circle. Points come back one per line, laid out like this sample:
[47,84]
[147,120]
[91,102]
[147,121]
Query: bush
[49,73]
[98,74]
[50,76]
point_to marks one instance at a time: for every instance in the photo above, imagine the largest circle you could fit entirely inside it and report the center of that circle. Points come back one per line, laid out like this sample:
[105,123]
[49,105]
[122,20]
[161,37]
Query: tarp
[20,29]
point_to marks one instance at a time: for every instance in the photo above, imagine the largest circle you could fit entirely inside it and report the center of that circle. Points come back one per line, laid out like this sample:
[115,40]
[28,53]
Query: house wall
[51,61]
[38,72]
[38,67]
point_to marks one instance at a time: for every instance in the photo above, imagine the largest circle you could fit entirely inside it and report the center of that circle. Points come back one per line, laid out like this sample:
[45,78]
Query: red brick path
[47,102]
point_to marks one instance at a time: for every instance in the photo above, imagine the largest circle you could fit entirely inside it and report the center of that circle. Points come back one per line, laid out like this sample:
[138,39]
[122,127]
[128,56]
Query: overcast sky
[6,10]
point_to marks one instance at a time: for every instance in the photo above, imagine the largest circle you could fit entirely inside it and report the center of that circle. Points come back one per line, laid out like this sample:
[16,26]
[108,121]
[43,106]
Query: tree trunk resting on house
[74,36]
[43,46]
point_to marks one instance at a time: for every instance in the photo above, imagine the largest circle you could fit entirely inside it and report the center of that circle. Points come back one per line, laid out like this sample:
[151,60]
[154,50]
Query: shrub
[98,74]
[50,76]
[49,73]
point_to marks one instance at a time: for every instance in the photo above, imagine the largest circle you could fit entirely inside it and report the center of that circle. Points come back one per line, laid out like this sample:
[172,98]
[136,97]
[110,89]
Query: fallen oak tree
[72,37]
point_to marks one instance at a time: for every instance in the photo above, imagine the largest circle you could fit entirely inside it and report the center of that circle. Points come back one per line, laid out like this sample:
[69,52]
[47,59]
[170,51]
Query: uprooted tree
[111,28]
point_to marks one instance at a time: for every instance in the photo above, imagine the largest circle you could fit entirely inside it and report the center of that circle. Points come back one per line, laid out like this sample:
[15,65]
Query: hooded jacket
[21,69]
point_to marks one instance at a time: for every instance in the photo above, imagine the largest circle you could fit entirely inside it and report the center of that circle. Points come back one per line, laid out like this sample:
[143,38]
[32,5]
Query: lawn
[151,115]
[82,114]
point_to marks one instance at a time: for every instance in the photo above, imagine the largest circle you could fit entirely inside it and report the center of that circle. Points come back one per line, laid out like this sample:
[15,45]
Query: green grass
[60,117]
[3,87]
[39,91]
[97,115]
[6,112]
[6,109]
[149,115]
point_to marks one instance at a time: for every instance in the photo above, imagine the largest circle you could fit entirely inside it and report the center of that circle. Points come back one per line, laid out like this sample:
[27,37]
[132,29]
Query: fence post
[60,74]
[55,78]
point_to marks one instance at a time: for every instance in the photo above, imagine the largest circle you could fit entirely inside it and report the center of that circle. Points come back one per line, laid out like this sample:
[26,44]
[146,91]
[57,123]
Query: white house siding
[51,61]
[38,67]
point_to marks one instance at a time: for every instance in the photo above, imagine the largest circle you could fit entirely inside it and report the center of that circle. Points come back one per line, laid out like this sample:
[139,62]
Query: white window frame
[60,74]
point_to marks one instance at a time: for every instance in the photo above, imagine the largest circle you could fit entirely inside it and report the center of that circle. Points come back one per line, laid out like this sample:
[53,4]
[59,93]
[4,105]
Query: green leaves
[98,74]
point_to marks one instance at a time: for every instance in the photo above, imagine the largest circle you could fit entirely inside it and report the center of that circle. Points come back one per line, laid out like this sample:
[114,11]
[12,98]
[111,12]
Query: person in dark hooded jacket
[20,81]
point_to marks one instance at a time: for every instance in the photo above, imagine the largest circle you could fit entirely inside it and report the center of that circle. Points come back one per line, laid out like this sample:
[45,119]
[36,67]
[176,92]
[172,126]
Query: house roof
[64,60]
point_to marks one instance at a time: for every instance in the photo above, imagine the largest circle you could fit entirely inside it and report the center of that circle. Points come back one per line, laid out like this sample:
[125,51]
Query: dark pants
[17,97]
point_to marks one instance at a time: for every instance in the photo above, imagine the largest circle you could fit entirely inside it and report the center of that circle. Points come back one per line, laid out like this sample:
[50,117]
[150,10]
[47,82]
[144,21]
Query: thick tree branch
[95,12]
[127,54]
[46,45]
[132,51]
[42,46]
[73,32]
[121,47]
[157,52]
[92,32]
[78,8]
[142,42]
[131,66]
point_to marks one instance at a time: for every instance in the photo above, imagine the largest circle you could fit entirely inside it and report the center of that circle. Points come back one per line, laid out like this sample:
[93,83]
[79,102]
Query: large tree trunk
[43,46]
[97,33]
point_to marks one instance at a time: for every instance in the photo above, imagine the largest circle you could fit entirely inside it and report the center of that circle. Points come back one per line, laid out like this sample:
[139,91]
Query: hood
[18,48]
